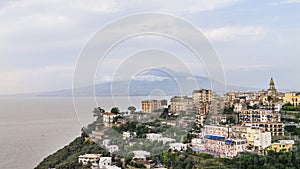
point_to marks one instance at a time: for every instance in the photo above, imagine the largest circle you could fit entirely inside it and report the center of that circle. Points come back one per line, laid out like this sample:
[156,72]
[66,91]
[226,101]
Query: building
[239,107]
[89,158]
[259,115]
[202,95]
[276,128]
[282,145]
[108,117]
[218,145]
[149,106]
[140,155]
[178,146]
[224,131]
[112,148]
[104,162]
[272,92]
[153,136]
[181,104]
[292,98]
[261,140]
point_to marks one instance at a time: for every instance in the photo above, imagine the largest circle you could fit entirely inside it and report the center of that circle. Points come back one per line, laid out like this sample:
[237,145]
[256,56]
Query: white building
[108,117]
[127,135]
[153,136]
[141,155]
[112,148]
[105,162]
[92,158]
[178,146]
[263,140]
[165,140]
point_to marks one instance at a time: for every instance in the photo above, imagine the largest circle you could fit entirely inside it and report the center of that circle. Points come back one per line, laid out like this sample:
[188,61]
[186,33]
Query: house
[108,117]
[282,145]
[89,158]
[178,146]
[153,136]
[112,148]
[104,162]
[140,155]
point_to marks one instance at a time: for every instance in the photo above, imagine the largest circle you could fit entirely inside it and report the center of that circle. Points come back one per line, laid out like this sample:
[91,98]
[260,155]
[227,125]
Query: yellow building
[282,145]
[293,98]
[149,106]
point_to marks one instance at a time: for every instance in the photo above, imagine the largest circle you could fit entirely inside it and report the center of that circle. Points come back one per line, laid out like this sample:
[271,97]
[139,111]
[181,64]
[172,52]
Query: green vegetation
[115,110]
[67,157]
[290,107]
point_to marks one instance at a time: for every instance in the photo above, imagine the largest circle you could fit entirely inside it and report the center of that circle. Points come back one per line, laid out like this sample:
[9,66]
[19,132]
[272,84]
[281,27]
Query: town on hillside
[227,126]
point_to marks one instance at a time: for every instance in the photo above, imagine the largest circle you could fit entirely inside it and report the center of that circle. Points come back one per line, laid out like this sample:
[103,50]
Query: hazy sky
[41,40]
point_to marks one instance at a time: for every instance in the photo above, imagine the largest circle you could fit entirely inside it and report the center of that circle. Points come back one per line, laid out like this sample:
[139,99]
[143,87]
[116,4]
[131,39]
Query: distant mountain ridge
[144,85]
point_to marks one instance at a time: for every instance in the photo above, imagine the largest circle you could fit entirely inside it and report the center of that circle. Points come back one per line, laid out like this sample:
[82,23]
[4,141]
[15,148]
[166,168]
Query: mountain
[153,82]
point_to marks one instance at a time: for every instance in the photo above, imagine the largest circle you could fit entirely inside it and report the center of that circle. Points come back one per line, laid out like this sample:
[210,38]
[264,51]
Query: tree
[98,112]
[115,110]
[131,109]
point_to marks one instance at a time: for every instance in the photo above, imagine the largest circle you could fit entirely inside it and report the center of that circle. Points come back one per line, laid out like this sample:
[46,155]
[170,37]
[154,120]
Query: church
[272,92]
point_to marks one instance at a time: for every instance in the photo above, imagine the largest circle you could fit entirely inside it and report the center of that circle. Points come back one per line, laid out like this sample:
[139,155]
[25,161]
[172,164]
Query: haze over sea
[32,128]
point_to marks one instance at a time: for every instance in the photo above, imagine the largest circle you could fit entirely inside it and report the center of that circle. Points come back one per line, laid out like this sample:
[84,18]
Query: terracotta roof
[109,114]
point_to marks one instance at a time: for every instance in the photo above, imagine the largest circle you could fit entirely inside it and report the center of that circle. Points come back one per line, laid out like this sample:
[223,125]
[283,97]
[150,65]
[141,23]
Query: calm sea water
[31,128]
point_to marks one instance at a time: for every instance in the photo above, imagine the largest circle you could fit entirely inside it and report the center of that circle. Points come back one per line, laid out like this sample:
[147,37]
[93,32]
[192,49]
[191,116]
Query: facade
[224,131]
[178,146]
[153,136]
[259,115]
[140,155]
[104,162]
[276,128]
[282,145]
[181,104]
[202,95]
[112,148]
[149,106]
[293,98]
[92,158]
[239,107]
[108,117]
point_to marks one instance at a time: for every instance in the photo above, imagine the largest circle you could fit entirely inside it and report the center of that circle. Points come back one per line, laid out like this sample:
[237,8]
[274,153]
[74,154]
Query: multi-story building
[181,104]
[224,131]
[149,106]
[257,139]
[259,115]
[293,98]
[218,140]
[276,128]
[202,95]
[282,145]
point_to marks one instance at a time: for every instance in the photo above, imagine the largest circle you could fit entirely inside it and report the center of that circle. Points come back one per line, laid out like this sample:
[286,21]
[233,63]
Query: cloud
[285,2]
[178,6]
[150,78]
[231,33]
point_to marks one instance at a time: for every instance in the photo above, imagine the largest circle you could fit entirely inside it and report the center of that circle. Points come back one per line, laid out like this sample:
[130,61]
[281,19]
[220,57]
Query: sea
[31,128]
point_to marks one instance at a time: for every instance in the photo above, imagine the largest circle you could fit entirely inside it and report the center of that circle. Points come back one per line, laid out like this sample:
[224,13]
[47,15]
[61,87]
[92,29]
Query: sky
[40,41]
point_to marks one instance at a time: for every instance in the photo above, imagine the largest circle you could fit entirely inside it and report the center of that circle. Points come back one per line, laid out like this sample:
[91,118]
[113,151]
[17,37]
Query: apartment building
[149,106]
[181,104]
[276,128]
[293,98]
[202,95]
[259,115]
